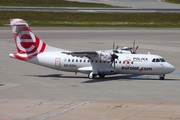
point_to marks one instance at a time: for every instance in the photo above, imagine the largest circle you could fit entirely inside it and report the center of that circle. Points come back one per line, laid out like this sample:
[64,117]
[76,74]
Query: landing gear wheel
[91,75]
[161,77]
[101,75]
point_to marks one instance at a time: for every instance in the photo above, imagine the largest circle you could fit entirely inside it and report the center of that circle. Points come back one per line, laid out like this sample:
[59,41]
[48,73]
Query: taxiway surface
[33,92]
[136,3]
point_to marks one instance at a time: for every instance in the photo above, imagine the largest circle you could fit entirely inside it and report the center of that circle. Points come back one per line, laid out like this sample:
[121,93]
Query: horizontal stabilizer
[17,22]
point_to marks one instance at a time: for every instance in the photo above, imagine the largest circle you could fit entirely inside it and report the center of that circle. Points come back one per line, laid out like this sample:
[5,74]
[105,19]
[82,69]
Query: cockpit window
[162,60]
[158,60]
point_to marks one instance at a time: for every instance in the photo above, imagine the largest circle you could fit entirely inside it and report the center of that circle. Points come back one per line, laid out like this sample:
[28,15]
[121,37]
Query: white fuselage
[126,64]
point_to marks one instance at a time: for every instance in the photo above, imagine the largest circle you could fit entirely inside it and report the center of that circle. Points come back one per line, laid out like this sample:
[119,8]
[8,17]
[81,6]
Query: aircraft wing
[88,54]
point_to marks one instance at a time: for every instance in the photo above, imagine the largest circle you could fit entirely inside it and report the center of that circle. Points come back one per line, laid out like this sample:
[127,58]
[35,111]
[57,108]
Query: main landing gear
[161,77]
[92,76]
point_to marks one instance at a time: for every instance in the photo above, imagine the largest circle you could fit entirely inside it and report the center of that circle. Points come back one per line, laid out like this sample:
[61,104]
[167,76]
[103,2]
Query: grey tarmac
[160,4]
[32,92]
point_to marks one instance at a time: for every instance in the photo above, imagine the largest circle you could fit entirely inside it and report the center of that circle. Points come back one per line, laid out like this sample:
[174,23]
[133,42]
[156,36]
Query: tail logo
[28,45]
[26,42]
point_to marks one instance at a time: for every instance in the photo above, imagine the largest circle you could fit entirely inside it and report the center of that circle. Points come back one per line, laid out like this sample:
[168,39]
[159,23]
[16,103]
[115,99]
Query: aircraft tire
[161,78]
[91,75]
[101,75]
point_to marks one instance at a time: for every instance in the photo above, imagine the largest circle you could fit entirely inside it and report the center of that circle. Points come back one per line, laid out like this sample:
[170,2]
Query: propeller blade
[113,45]
[114,64]
[136,48]
[115,50]
[117,47]
[131,51]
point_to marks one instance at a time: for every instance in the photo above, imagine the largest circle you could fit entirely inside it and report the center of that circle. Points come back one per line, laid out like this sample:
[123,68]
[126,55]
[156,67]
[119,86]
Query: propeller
[133,50]
[115,50]
[114,56]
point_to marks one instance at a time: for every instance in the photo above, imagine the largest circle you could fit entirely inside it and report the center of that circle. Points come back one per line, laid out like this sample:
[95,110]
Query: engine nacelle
[104,56]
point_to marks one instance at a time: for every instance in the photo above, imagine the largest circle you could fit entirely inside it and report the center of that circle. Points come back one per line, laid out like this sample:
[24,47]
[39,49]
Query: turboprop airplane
[94,63]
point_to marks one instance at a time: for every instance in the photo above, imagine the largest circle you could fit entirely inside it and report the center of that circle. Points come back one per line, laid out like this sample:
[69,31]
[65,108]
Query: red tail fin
[28,45]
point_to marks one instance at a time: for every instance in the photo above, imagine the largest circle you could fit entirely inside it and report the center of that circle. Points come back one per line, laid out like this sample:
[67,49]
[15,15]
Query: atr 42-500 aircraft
[94,63]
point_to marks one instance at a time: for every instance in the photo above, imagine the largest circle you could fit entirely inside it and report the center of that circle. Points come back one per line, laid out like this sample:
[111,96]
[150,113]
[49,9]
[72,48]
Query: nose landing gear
[161,77]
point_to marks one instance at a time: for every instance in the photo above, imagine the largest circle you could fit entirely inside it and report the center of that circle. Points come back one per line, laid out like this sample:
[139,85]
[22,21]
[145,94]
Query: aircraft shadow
[51,75]
[57,76]
[126,78]
[108,78]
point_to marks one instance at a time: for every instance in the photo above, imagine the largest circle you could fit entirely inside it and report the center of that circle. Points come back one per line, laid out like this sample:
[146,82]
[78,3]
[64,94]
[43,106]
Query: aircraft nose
[171,68]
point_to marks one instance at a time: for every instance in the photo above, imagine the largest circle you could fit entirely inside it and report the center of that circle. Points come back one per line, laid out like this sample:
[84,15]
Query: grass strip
[51,3]
[173,1]
[163,20]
